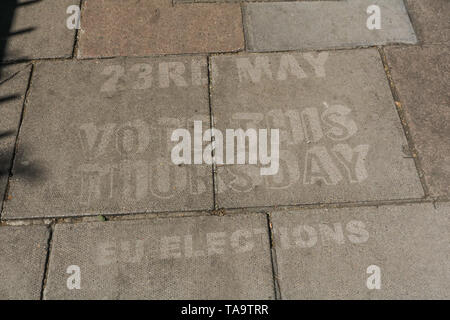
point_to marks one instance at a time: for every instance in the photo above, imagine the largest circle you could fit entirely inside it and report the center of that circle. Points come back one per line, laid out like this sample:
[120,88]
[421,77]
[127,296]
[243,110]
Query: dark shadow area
[7,150]
[5,158]
[8,130]
[7,12]
[8,98]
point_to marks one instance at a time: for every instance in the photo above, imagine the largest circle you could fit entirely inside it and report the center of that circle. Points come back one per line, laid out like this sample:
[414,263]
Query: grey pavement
[430,19]
[38,30]
[96,204]
[427,113]
[13,84]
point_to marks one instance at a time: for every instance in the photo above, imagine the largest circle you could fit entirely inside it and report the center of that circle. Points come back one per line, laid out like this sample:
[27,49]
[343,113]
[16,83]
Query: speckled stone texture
[158,28]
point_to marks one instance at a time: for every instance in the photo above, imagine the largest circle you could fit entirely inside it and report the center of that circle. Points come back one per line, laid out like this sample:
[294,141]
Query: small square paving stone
[340,136]
[13,85]
[324,24]
[341,253]
[431,19]
[23,252]
[174,258]
[130,28]
[422,78]
[36,29]
[100,132]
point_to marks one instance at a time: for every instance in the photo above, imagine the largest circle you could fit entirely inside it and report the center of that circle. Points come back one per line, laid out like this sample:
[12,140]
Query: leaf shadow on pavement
[8,132]
[8,10]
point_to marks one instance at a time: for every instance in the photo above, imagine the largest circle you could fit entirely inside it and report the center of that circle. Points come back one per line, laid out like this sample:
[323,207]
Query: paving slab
[23,252]
[422,78]
[340,136]
[324,24]
[35,29]
[349,253]
[13,85]
[430,20]
[174,258]
[100,132]
[158,28]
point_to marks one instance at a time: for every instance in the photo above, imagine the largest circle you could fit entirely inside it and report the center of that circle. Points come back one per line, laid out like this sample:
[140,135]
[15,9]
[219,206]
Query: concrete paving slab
[340,136]
[324,24]
[349,253]
[175,258]
[13,86]
[23,252]
[36,29]
[422,78]
[431,20]
[100,132]
[158,29]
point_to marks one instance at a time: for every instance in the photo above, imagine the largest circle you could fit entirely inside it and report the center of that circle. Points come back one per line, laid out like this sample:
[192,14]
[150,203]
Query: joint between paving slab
[244,29]
[212,53]
[405,125]
[47,261]
[75,42]
[273,258]
[15,74]
[211,121]
[216,212]
[16,143]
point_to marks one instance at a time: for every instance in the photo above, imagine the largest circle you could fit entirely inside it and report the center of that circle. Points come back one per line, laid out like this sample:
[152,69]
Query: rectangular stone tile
[177,258]
[342,253]
[422,78]
[324,24]
[13,85]
[23,252]
[430,19]
[100,133]
[340,136]
[158,29]
[35,29]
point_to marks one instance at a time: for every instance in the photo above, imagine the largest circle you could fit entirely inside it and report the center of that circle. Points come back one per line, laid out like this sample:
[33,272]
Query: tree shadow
[7,13]
[8,136]
[9,129]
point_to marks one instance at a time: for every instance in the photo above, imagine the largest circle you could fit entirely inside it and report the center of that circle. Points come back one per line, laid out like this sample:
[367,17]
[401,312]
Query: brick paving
[93,207]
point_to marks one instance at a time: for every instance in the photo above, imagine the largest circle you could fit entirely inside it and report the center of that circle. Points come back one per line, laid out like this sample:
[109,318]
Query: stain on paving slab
[173,258]
[324,24]
[13,85]
[422,78]
[23,252]
[100,131]
[158,29]
[35,29]
[388,252]
[431,20]
[340,139]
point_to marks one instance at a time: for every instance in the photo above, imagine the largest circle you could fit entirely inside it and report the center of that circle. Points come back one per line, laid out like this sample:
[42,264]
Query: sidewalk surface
[92,205]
